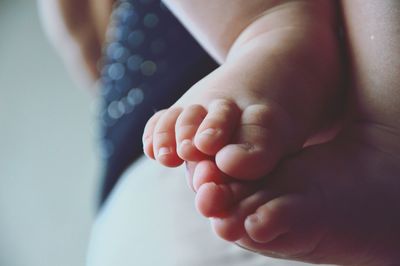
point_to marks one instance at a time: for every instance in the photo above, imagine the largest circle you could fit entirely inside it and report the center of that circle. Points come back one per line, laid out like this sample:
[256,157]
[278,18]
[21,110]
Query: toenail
[163,151]
[253,219]
[209,132]
[186,142]
[247,146]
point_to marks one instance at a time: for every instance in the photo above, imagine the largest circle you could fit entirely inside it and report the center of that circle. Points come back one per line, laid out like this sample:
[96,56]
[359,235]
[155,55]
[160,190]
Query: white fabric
[150,220]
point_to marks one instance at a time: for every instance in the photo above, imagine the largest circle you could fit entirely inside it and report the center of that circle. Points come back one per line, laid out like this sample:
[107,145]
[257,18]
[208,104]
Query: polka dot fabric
[150,60]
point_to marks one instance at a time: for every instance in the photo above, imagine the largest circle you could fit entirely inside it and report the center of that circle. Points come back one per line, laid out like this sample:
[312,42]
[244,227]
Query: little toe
[164,143]
[185,129]
[217,127]
[259,143]
[148,134]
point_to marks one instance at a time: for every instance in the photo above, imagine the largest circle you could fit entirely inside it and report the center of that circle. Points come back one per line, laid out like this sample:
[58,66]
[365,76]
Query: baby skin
[276,86]
[336,202]
[278,79]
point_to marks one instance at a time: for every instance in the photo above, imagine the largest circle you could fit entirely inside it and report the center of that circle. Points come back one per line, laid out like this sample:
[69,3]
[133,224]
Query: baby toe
[164,143]
[212,200]
[207,172]
[217,127]
[277,217]
[231,227]
[259,143]
[148,132]
[216,200]
[185,129]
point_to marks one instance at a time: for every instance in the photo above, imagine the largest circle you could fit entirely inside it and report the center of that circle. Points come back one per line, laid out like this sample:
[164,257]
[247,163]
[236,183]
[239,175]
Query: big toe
[261,140]
[230,226]
[279,216]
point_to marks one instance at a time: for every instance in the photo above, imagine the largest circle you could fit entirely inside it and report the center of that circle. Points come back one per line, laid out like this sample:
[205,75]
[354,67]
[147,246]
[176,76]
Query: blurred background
[48,153]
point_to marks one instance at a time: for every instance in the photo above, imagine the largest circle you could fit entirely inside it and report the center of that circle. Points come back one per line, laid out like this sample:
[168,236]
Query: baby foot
[215,192]
[239,139]
[263,103]
[244,130]
[333,203]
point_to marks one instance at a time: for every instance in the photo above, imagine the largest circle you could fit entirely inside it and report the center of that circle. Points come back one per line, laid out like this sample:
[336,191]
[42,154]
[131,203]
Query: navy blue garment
[149,62]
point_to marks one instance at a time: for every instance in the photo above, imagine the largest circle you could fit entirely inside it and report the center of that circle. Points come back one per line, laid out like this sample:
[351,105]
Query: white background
[48,151]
